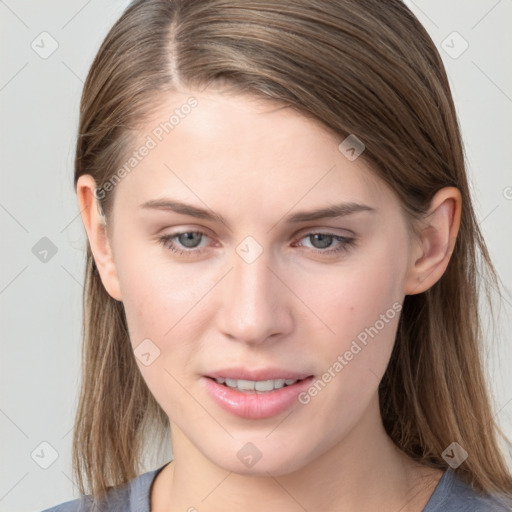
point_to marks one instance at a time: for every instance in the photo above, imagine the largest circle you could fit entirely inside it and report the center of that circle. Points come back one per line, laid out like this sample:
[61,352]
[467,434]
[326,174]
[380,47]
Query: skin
[293,307]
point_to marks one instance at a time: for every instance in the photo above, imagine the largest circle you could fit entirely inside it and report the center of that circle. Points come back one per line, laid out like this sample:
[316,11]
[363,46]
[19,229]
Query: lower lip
[255,406]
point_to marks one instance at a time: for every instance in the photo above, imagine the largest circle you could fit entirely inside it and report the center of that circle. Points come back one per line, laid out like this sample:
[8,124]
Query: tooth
[278,383]
[247,385]
[264,385]
[261,386]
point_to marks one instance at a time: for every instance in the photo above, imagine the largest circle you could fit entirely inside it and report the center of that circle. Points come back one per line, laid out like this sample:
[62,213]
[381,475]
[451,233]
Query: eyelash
[345,243]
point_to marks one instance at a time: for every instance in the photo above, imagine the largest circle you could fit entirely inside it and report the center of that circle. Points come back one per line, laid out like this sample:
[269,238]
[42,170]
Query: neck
[363,471]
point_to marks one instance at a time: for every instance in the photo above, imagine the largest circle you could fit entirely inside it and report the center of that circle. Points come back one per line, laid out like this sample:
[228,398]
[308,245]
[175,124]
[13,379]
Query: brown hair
[362,67]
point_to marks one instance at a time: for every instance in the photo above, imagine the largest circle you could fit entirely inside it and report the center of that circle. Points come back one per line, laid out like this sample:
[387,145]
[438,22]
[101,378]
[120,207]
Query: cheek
[157,322]
[362,304]
[162,307]
[156,293]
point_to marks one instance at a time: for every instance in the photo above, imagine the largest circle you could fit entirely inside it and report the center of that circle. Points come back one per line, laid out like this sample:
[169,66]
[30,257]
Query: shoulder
[453,495]
[132,496]
[77,505]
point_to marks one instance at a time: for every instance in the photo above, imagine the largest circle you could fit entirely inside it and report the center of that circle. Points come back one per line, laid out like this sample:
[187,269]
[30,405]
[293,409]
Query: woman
[281,266]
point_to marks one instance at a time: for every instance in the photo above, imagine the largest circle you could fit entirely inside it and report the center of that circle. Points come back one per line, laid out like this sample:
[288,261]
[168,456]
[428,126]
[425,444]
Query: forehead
[240,153]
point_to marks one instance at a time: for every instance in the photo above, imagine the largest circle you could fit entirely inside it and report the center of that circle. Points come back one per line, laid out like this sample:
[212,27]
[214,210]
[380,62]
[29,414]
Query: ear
[433,248]
[95,225]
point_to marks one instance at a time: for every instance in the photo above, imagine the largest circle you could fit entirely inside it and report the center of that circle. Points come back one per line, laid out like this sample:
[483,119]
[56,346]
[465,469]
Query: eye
[187,243]
[187,239]
[322,241]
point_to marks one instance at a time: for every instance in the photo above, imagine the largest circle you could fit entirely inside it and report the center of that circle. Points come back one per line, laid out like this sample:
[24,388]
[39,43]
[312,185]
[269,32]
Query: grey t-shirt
[450,495]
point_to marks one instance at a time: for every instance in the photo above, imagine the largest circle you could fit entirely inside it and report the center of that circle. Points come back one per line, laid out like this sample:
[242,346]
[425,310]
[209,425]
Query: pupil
[189,237]
[326,242]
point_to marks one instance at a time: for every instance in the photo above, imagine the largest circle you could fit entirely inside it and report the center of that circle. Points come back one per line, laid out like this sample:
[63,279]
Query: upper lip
[257,374]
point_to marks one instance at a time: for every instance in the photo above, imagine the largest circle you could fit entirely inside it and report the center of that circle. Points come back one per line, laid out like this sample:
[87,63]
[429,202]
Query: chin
[247,459]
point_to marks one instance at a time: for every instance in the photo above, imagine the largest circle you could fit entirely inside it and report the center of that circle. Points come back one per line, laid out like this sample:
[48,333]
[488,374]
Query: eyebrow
[338,210]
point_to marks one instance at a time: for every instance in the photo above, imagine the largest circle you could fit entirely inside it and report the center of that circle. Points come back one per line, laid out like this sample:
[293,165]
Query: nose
[255,304]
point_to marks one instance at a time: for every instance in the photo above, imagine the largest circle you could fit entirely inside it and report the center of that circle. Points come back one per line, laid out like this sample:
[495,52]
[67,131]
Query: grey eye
[323,239]
[190,239]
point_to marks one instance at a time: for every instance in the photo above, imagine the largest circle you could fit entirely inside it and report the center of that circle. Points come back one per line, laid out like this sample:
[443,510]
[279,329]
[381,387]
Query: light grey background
[41,301]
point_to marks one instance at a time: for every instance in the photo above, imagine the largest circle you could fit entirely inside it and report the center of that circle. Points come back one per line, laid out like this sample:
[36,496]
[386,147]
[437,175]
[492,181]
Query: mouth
[256,399]
[256,386]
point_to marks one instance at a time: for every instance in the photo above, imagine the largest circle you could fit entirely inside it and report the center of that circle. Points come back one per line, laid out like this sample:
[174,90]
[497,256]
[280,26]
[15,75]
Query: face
[250,288]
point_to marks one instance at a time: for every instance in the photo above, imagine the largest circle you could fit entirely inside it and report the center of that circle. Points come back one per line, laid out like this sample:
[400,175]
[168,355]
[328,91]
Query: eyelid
[345,243]
[334,231]
[310,230]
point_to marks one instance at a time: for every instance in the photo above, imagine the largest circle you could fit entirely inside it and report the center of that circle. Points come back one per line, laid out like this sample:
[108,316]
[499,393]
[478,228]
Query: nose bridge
[254,304]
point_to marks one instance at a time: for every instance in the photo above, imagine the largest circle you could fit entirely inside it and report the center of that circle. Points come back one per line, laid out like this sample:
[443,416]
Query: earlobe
[95,226]
[434,246]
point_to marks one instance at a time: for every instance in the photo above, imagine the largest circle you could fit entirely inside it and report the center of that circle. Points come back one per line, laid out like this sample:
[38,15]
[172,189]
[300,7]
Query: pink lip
[255,406]
[261,374]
